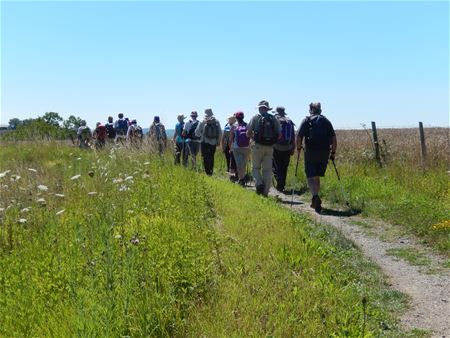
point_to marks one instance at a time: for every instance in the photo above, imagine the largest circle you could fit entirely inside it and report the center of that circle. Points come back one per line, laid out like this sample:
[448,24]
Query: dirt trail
[429,294]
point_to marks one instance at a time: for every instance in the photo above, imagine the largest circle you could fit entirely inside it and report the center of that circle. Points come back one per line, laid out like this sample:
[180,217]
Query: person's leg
[276,165]
[239,160]
[283,168]
[212,152]
[178,149]
[204,153]
[226,152]
[267,168]
[257,156]
[185,153]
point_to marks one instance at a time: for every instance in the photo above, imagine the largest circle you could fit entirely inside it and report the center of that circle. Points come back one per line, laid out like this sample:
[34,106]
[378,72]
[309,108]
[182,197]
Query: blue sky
[364,61]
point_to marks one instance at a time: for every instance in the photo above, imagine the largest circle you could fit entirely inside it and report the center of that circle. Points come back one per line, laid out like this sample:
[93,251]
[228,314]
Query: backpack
[191,131]
[287,131]
[211,129]
[101,132]
[317,137]
[226,134]
[122,126]
[85,134]
[242,140]
[265,132]
[110,131]
[136,132]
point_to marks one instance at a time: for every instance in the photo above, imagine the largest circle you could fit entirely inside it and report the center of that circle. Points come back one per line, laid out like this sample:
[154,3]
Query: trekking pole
[296,170]
[341,185]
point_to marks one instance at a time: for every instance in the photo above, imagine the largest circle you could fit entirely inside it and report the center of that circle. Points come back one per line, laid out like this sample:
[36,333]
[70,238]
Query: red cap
[239,114]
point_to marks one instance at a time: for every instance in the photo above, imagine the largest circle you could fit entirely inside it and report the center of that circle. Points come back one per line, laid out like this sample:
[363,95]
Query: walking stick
[296,170]
[341,185]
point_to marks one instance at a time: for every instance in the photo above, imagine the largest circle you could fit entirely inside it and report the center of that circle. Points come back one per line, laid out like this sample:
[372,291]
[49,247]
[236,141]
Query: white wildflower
[118,236]
[146,163]
[42,187]
[3,174]
[128,178]
[60,212]
[25,210]
[60,195]
[130,211]
[41,201]
[15,178]
[76,177]
[32,170]
[117,180]
[22,221]
[92,193]
[145,176]
[123,188]
[78,158]
[135,241]
[2,209]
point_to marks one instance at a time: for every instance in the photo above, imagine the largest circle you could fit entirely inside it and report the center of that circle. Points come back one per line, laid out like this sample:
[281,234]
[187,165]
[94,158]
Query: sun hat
[280,110]
[208,112]
[181,117]
[264,104]
[156,119]
[231,119]
[133,122]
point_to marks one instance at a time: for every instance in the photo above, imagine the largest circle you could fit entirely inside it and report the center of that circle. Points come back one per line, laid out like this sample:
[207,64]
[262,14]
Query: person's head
[239,116]
[133,122]
[231,119]
[180,118]
[156,119]
[194,115]
[120,116]
[97,124]
[110,119]
[208,112]
[315,108]
[263,106]
[83,123]
[280,111]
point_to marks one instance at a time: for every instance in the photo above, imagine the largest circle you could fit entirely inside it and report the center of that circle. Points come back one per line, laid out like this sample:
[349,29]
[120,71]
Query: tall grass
[123,243]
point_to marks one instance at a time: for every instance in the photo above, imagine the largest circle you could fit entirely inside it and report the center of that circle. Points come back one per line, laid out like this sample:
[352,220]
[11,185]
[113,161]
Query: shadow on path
[340,213]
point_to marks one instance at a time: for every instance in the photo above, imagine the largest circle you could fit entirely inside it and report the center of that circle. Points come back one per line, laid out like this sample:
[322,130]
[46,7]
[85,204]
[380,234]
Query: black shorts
[315,168]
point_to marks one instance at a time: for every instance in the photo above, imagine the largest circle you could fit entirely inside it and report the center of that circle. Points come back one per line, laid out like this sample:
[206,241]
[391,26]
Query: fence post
[375,143]
[422,142]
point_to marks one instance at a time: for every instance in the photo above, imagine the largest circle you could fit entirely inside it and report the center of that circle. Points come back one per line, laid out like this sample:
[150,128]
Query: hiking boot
[318,204]
[242,182]
[260,189]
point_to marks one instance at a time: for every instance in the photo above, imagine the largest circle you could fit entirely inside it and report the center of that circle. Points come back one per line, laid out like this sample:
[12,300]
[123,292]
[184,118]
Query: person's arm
[199,129]
[175,134]
[250,132]
[219,137]
[232,132]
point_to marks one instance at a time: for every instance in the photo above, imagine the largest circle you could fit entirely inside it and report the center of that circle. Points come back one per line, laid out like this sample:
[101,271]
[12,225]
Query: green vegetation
[123,243]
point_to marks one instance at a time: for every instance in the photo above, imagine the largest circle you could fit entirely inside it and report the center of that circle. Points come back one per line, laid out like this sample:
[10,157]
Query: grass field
[123,243]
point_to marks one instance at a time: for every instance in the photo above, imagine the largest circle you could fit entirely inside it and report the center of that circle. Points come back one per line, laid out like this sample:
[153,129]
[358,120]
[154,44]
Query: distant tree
[72,123]
[27,121]
[14,123]
[52,118]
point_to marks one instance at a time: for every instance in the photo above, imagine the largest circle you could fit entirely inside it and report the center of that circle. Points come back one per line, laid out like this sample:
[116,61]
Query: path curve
[429,294]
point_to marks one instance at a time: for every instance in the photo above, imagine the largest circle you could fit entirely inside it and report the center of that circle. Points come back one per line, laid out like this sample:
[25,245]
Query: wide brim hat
[231,118]
[208,112]
[264,104]
[181,117]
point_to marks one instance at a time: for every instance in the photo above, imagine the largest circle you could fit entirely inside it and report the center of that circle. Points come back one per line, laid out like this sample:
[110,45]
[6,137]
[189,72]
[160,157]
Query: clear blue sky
[381,61]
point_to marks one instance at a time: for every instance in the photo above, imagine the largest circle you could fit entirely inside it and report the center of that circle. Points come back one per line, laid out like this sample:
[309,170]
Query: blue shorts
[315,168]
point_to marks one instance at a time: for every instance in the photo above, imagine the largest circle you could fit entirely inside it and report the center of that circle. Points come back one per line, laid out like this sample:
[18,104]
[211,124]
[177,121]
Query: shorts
[241,156]
[193,148]
[315,168]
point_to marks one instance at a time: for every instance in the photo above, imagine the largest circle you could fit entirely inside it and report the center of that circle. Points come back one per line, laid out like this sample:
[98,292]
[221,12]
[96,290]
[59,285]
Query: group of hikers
[269,139]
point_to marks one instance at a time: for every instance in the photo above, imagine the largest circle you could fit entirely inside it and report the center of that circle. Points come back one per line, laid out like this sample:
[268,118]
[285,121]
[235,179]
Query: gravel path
[429,294]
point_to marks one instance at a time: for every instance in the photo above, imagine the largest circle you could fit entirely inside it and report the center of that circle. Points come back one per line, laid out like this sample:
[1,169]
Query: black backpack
[317,137]
[191,131]
[110,131]
[265,132]
[211,130]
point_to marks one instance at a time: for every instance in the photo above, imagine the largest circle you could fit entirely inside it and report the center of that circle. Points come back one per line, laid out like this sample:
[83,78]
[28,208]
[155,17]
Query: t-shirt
[179,130]
[316,155]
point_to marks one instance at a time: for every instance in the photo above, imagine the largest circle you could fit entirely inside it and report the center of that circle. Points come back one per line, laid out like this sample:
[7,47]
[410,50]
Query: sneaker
[260,189]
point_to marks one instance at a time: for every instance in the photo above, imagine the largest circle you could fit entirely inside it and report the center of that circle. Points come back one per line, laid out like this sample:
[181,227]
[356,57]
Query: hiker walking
[100,134]
[240,146]
[264,128]
[210,133]
[157,135]
[84,135]
[283,149]
[226,146]
[121,128]
[110,130]
[192,142]
[320,145]
[135,134]
[179,141]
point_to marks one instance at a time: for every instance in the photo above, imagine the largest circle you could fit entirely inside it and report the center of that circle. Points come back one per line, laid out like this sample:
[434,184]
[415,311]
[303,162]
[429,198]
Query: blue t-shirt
[179,129]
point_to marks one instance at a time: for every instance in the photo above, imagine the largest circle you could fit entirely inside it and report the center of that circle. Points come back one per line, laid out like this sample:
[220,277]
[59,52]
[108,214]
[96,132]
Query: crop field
[123,243]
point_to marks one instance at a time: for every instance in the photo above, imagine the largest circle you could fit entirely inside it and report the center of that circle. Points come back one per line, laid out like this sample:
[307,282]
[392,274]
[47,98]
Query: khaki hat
[231,119]
[181,117]
[265,104]
[208,112]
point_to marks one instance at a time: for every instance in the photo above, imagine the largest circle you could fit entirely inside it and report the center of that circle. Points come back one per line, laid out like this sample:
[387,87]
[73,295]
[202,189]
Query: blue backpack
[287,131]
[122,126]
[317,137]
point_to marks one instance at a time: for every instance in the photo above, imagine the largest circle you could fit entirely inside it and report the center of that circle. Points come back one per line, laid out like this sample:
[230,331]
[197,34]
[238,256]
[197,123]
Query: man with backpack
[84,135]
[100,134]
[240,146]
[135,134]
[192,140]
[121,128]
[226,147]
[320,145]
[110,130]
[265,130]
[157,135]
[210,133]
[178,140]
[283,149]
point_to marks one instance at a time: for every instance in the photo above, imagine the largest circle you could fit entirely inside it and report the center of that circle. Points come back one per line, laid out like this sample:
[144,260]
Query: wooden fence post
[422,142]
[375,143]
